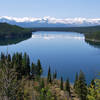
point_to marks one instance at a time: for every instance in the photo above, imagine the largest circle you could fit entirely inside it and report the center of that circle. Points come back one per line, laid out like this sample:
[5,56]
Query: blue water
[65,52]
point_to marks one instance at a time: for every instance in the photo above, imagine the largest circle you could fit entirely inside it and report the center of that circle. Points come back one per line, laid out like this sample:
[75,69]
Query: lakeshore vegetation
[22,80]
[8,31]
[91,33]
[12,34]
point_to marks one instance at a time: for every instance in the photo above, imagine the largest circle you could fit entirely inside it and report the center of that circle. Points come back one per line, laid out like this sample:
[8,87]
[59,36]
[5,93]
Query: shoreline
[92,40]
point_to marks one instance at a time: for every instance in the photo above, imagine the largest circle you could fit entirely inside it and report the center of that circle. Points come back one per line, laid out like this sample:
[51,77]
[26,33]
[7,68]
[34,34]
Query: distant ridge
[50,21]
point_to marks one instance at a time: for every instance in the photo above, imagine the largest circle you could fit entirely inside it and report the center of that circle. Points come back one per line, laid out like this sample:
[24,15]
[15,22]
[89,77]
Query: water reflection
[49,36]
[10,41]
[66,52]
[93,44]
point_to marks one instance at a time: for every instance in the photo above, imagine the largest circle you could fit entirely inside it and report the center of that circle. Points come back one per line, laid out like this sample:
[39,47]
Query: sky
[52,8]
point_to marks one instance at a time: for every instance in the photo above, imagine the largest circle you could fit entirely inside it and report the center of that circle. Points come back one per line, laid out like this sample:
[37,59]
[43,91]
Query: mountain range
[50,21]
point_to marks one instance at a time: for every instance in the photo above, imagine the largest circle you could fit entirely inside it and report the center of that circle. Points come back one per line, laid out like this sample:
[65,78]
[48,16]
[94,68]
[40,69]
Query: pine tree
[18,65]
[28,65]
[13,59]
[2,56]
[39,68]
[82,87]
[49,80]
[61,83]
[9,57]
[68,85]
[55,75]
[24,65]
[76,81]
[32,70]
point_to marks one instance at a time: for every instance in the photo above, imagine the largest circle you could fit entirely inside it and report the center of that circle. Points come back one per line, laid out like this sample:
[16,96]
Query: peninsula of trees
[13,31]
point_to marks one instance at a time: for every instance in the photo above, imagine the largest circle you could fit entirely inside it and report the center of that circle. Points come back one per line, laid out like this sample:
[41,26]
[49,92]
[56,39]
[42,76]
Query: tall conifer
[49,80]
[39,68]
[67,85]
[61,84]
[82,87]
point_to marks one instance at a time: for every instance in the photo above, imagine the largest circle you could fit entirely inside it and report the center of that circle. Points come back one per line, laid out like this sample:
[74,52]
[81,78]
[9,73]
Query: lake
[65,52]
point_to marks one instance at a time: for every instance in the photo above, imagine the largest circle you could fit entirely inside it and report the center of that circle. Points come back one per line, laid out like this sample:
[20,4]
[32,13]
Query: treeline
[16,70]
[93,36]
[21,64]
[84,30]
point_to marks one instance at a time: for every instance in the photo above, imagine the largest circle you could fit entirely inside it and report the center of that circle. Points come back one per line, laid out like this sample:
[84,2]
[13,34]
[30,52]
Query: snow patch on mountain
[50,20]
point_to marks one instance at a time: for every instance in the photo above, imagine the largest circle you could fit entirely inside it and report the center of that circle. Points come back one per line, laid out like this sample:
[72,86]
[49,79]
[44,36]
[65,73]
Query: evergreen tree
[67,85]
[82,87]
[76,81]
[13,60]
[33,70]
[61,83]
[39,68]
[2,56]
[55,75]
[49,80]
[18,65]
[24,65]
[28,65]
[9,57]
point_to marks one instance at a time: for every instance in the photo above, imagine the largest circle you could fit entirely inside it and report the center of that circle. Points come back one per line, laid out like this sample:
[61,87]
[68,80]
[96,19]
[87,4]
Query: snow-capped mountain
[49,21]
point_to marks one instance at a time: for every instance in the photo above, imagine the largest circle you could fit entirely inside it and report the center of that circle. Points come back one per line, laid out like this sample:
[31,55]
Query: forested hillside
[22,80]
[8,31]
[71,29]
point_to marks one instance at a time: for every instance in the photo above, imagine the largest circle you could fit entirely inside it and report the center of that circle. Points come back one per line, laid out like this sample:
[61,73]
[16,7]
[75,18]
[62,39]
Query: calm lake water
[65,52]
